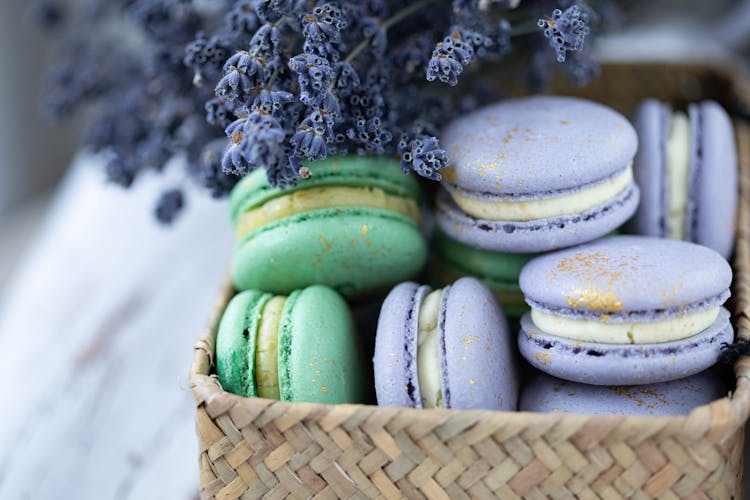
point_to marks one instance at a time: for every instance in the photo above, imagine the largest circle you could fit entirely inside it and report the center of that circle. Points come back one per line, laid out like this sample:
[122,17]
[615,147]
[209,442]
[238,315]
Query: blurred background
[99,303]
[34,152]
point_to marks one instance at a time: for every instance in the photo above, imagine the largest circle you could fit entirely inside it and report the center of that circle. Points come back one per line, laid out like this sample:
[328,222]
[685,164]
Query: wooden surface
[96,335]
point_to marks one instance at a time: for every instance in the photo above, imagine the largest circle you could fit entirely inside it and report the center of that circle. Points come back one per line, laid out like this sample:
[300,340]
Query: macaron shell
[627,277]
[235,342]
[539,235]
[395,359]
[623,364]
[318,357]
[651,120]
[712,206]
[537,144]
[353,250]
[509,296]
[498,270]
[479,362]
[353,171]
[547,394]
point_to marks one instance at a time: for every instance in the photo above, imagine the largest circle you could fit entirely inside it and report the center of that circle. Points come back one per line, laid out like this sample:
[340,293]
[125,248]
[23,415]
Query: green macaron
[498,270]
[352,225]
[297,348]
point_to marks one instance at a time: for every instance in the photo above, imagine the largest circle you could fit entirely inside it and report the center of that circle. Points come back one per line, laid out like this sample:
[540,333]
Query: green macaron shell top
[351,171]
[318,357]
[352,249]
[235,342]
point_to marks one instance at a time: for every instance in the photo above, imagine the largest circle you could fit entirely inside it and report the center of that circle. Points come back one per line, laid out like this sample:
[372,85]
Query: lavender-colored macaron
[686,168]
[547,394]
[537,174]
[625,310]
[447,348]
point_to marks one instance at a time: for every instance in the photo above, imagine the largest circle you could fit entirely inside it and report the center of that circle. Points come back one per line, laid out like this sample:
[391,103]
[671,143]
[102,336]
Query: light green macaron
[297,348]
[353,225]
[498,270]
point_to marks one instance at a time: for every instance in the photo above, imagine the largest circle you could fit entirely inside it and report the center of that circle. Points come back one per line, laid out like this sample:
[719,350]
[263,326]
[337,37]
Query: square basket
[251,447]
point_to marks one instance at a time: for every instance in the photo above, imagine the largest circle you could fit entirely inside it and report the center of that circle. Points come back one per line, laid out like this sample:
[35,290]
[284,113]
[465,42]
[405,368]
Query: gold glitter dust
[543,358]
[472,381]
[564,122]
[323,388]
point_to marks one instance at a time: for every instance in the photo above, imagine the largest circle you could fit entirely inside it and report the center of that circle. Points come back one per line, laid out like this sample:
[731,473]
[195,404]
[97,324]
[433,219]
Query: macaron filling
[316,198]
[267,349]
[428,351]
[677,176]
[521,210]
[645,332]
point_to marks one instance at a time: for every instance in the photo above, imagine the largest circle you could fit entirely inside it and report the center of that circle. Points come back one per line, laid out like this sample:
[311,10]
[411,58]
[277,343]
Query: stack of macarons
[624,311]
[351,228]
[525,214]
[527,176]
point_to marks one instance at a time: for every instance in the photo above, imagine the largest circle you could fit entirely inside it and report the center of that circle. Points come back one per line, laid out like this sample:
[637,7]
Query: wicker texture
[251,448]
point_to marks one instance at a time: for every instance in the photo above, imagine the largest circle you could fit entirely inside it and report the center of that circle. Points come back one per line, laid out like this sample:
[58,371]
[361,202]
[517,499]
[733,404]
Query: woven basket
[255,447]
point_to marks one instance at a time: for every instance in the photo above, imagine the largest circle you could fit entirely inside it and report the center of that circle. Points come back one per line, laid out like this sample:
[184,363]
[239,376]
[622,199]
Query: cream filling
[267,349]
[567,204]
[651,332]
[678,172]
[428,351]
[323,197]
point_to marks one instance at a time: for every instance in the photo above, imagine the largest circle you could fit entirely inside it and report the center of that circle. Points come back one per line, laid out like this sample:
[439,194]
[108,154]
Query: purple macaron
[686,168]
[547,394]
[625,310]
[537,174]
[447,348]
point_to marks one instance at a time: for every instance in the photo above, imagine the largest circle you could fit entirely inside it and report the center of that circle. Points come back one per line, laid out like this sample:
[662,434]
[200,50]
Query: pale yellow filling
[428,351]
[678,171]
[625,333]
[567,204]
[267,349]
[323,197]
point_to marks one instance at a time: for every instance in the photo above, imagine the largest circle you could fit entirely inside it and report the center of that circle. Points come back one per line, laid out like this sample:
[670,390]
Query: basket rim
[716,421]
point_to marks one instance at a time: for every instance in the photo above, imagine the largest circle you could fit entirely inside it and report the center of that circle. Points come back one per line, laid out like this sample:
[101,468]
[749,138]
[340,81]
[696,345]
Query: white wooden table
[96,337]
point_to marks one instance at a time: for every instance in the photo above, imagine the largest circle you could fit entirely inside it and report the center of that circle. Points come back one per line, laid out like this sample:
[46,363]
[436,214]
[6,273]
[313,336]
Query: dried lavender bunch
[289,82]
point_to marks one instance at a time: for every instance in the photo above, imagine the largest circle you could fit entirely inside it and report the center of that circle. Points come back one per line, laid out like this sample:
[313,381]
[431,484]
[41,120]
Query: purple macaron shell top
[713,184]
[395,359]
[623,364]
[479,363]
[651,119]
[552,395]
[536,146]
[627,279]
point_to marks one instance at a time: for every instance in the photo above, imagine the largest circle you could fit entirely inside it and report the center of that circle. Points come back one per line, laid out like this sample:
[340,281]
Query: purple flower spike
[566,30]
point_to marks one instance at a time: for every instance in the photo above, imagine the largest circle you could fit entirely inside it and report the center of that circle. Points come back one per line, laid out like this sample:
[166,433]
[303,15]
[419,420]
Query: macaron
[297,348]
[352,225]
[537,174]
[686,167]
[499,271]
[447,348]
[547,394]
[625,310]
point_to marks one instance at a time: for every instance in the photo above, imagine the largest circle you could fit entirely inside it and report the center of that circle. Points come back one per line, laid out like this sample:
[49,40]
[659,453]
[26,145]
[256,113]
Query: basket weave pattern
[254,447]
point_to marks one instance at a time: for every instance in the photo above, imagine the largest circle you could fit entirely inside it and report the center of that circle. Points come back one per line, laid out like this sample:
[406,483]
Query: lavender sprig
[234,85]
